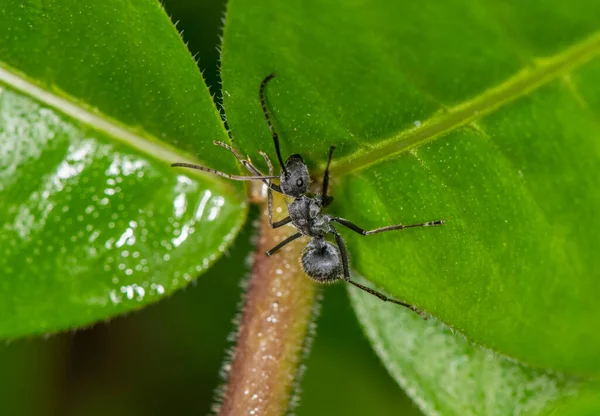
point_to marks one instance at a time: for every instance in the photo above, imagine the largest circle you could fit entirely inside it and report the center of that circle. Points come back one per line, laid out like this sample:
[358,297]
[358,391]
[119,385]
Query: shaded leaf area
[125,59]
[447,375]
[91,227]
[483,114]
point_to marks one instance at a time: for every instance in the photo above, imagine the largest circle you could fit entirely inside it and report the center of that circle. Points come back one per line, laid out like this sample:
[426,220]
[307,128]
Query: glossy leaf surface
[480,113]
[96,100]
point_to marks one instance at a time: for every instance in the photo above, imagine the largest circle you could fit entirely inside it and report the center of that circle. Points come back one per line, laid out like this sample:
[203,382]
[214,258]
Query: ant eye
[299,182]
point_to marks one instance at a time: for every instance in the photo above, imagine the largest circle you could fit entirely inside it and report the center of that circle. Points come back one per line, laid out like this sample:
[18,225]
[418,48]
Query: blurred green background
[166,358]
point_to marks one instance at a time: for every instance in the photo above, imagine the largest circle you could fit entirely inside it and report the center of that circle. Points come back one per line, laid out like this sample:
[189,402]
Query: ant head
[294,178]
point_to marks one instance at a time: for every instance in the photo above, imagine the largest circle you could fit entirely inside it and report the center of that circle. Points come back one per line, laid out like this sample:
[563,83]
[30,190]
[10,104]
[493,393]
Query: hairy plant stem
[273,329]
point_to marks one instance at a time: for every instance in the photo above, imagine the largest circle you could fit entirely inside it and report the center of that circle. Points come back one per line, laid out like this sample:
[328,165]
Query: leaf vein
[71,107]
[522,83]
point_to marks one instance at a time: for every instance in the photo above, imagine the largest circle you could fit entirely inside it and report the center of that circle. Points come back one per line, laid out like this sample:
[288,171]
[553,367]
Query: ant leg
[269,192]
[344,254]
[281,223]
[248,165]
[288,240]
[342,246]
[386,299]
[261,94]
[270,196]
[223,174]
[359,230]
[326,200]
[239,158]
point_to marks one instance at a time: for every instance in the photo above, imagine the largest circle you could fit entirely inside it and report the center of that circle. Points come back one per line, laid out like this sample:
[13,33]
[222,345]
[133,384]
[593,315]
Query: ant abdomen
[321,261]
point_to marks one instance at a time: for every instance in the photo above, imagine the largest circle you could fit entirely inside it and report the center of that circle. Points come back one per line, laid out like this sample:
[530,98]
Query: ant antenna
[266,113]
[223,174]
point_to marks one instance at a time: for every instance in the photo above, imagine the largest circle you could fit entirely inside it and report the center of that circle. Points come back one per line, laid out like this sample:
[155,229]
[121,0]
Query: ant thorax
[305,213]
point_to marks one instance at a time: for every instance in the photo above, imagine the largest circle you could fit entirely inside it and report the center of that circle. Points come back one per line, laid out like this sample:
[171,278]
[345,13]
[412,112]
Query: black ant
[321,260]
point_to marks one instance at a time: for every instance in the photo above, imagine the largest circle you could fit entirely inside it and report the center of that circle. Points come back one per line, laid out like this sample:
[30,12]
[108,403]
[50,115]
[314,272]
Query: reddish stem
[274,325]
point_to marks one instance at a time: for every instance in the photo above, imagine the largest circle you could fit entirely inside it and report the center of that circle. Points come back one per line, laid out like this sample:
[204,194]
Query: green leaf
[96,100]
[587,403]
[480,113]
[447,375]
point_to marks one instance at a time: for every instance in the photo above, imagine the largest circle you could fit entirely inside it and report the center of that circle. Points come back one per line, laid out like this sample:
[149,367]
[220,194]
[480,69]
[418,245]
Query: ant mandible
[322,261]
